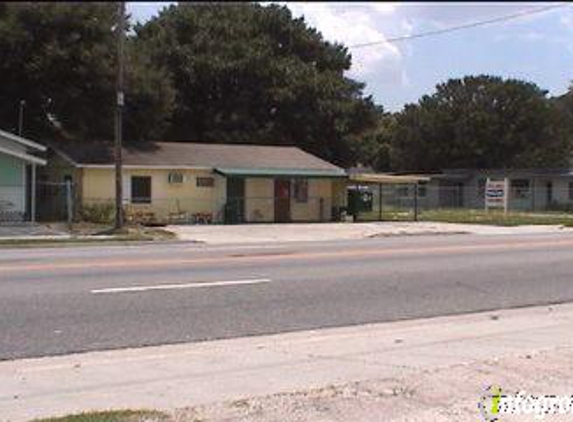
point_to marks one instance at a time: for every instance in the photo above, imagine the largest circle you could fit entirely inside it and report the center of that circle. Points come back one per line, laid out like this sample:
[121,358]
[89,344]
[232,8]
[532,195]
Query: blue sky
[538,48]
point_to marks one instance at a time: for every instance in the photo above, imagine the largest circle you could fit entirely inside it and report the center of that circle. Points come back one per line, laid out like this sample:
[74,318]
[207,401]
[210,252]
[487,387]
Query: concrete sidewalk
[300,232]
[32,231]
[176,376]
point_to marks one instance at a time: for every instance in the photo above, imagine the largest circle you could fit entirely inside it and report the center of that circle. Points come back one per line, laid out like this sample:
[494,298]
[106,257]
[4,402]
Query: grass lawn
[497,218]
[112,416]
[466,216]
[82,237]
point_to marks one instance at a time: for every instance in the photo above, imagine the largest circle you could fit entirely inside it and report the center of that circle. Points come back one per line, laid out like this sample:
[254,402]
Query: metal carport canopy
[286,172]
[386,178]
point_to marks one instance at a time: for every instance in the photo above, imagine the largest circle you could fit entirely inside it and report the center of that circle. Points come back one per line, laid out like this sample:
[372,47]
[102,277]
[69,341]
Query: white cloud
[384,7]
[143,11]
[383,66]
[353,24]
[567,20]
[448,14]
[530,36]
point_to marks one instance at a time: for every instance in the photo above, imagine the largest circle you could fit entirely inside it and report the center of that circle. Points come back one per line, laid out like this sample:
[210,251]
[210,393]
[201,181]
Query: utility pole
[21,118]
[120,28]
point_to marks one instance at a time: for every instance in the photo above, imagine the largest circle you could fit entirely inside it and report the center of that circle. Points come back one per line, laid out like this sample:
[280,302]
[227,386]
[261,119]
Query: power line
[459,27]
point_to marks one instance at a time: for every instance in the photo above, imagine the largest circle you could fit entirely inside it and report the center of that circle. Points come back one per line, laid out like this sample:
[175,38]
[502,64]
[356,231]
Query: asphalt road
[63,300]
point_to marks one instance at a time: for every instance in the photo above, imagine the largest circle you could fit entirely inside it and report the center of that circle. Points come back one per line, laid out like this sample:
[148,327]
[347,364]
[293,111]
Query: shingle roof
[190,154]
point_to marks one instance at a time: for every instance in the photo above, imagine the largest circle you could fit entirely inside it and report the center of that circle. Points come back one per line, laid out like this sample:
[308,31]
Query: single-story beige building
[198,182]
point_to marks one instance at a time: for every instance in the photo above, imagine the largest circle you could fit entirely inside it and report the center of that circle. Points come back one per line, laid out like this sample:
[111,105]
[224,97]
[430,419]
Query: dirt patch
[441,395]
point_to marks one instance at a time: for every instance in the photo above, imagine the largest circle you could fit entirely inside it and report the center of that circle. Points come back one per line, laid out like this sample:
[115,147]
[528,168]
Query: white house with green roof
[18,161]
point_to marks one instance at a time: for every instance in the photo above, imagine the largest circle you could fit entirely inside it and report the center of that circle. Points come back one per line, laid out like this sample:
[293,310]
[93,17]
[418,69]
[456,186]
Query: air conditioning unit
[175,178]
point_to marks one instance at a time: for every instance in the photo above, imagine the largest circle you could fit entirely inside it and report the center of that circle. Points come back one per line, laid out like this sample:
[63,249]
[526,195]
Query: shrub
[98,213]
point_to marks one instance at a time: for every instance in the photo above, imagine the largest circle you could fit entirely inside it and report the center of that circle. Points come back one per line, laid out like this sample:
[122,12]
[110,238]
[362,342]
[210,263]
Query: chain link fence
[63,202]
[408,202]
[20,204]
[368,202]
[210,210]
[13,207]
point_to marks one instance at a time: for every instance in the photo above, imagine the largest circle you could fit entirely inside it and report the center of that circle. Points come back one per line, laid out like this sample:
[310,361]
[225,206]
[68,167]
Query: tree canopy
[56,57]
[60,58]
[252,73]
[481,122]
[198,72]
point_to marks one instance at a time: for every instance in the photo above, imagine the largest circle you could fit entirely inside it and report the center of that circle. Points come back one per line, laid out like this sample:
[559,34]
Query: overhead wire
[460,27]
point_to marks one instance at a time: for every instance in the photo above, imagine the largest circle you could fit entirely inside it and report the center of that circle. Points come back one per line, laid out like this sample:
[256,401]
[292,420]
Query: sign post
[496,194]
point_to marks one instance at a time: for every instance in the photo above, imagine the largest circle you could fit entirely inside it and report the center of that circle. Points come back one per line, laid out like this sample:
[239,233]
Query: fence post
[506,198]
[380,201]
[533,194]
[69,203]
[33,195]
[416,201]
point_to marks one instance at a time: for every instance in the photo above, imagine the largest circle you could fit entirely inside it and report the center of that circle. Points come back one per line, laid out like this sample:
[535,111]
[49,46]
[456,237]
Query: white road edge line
[195,285]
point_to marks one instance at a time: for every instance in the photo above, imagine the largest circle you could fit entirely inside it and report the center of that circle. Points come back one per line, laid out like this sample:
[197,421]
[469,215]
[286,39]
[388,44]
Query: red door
[282,201]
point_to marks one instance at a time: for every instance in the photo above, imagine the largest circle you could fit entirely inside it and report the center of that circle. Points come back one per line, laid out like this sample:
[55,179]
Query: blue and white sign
[496,194]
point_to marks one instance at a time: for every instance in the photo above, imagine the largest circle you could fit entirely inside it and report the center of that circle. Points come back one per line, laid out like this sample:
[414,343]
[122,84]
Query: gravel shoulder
[433,369]
[439,395]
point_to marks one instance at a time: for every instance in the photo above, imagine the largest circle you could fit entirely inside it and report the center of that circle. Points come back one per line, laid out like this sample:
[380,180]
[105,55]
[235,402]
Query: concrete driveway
[31,231]
[262,233]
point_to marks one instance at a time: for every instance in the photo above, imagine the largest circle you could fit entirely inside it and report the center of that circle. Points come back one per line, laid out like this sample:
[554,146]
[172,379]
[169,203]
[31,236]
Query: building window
[301,190]
[141,189]
[205,182]
[520,188]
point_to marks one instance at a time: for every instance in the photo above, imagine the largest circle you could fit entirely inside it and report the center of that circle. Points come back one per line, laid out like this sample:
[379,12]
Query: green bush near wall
[98,213]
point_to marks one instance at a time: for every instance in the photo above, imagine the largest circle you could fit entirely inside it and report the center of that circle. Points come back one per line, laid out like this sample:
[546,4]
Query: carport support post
[380,201]
[416,201]
[69,202]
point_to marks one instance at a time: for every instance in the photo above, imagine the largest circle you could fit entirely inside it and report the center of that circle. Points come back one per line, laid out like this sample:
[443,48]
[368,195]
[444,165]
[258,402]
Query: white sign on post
[496,194]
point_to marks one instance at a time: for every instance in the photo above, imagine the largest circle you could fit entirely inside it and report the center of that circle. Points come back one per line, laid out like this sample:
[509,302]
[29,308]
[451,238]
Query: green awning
[258,172]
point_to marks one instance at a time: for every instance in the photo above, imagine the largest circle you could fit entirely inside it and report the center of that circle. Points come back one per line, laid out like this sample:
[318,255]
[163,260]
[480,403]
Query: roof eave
[22,141]
[24,156]
[143,166]
[277,172]
[386,178]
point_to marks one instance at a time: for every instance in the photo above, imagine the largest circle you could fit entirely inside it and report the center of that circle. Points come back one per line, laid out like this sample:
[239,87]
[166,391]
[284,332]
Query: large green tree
[565,104]
[60,58]
[374,148]
[252,73]
[481,122]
